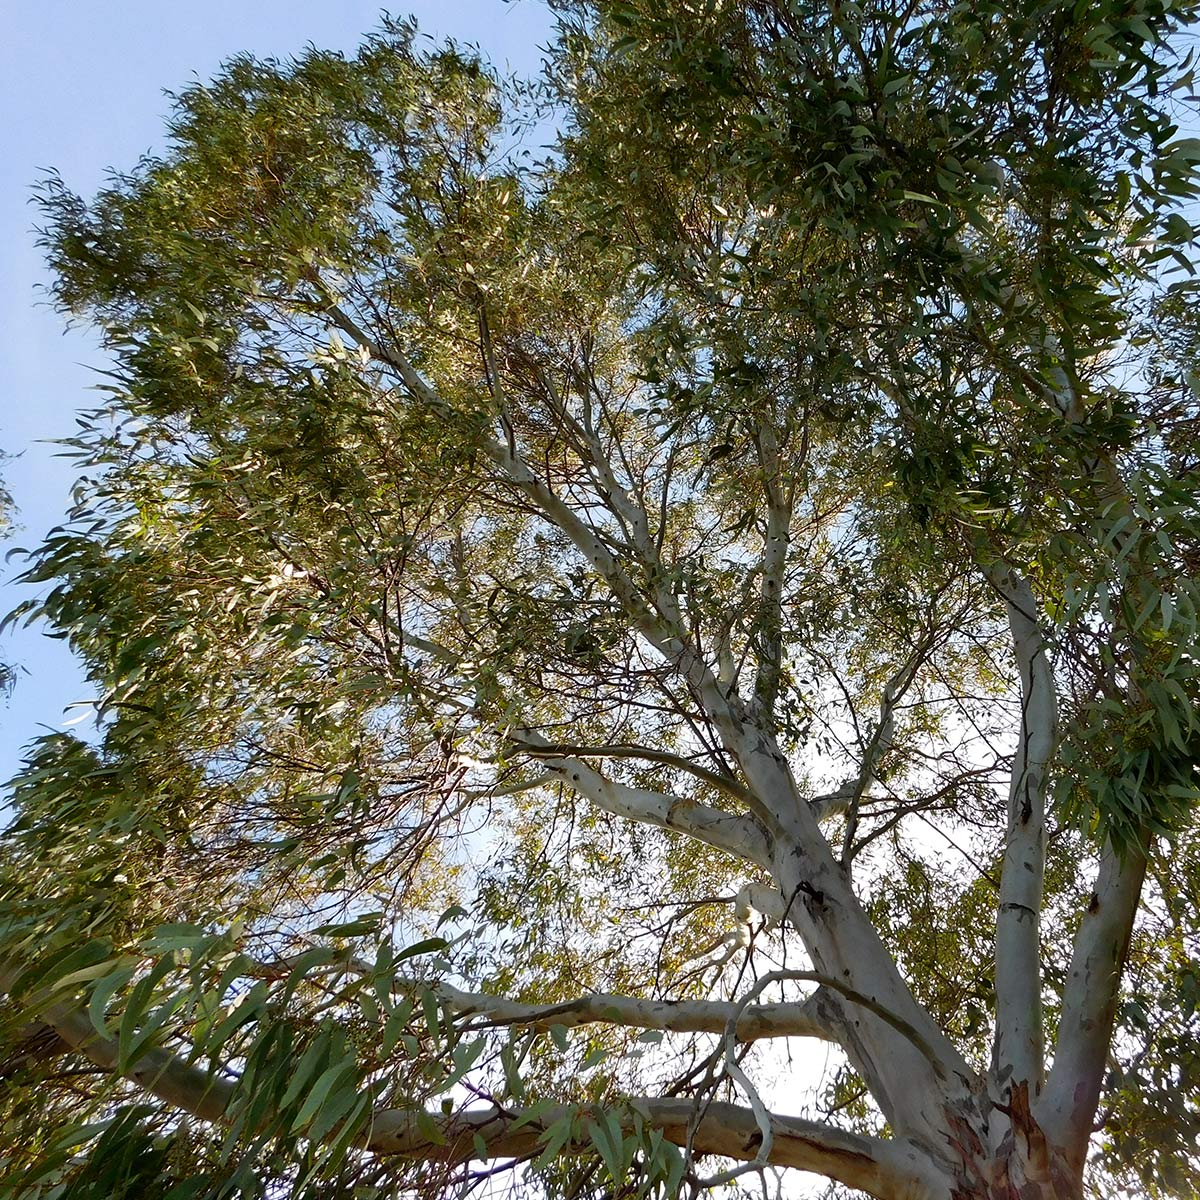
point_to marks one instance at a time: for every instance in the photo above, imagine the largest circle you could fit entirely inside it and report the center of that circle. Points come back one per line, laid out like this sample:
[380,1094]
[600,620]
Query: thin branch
[393,358]
[879,744]
[774,563]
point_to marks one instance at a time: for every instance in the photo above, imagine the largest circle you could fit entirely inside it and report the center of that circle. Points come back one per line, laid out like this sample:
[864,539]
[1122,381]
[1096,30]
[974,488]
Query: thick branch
[157,1072]
[1090,1001]
[913,1068]
[891,1170]
[1018,1051]
[880,1168]
[620,750]
[887,1169]
[753,1022]
[673,1016]
[739,835]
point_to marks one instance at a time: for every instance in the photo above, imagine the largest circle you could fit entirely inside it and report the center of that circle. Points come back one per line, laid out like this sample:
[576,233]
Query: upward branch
[1018,1049]
[1090,1000]
[774,565]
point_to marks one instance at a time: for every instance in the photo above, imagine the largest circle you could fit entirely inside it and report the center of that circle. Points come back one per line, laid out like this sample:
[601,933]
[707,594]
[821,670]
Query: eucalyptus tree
[580,643]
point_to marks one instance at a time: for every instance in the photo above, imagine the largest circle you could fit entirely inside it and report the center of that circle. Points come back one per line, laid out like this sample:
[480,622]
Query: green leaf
[454,913]
[609,1139]
[336,1076]
[365,926]
[395,1026]
[557,1135]
[102,993]
[593,1058]
[426,946]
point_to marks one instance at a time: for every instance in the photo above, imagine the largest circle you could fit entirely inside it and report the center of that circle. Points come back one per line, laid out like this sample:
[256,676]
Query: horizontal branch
[156,1071]
[878,1167]
[753,1022]
[672,1016]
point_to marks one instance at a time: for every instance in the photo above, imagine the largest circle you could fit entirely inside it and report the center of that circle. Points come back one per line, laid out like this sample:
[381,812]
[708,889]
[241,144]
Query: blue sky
[81,91]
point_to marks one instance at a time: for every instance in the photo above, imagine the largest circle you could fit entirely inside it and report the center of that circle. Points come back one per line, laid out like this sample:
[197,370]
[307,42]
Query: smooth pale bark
[1017,1050]
[721,782]
[1085,1027]
[157,1072]
[797,1018]
[843,944]
[738,835]
[762,899]
[913,1083]
[753,1022]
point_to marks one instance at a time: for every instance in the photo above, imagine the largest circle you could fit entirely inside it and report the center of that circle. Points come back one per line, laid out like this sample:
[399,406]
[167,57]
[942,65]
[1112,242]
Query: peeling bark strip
[1022,1164]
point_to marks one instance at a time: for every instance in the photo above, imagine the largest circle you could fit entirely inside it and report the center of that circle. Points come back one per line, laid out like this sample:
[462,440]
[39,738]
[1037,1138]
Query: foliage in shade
[558,624]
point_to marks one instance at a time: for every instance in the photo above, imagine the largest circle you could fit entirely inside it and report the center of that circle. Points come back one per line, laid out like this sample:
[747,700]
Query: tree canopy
[575,629]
